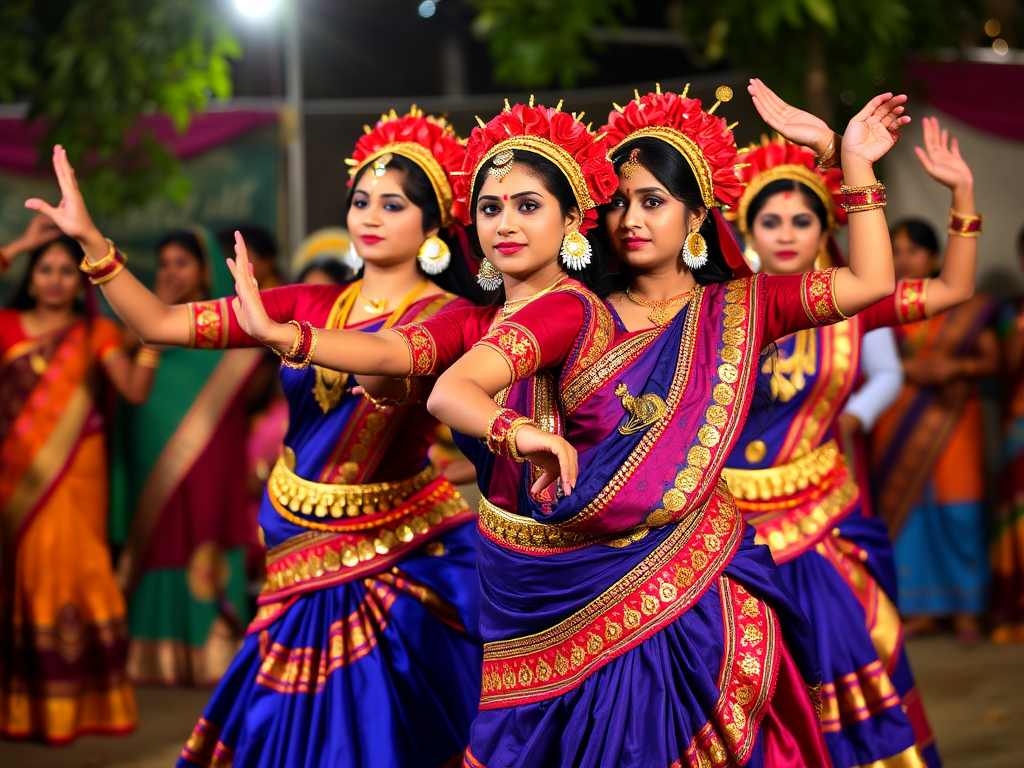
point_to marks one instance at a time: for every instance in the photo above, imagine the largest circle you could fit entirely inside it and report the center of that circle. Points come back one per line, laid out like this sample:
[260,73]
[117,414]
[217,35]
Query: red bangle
[856,199]
[109,271]
[962,224]
[303,353]
[497,431]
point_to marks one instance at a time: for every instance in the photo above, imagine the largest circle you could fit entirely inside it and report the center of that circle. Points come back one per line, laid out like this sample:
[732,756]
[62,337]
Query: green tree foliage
[90,68]
[537,43]
[825,54]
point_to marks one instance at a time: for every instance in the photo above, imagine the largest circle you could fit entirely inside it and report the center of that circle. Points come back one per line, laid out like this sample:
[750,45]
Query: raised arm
[382,354]
[941,158]
[870,276]
[40,230]
[136,305]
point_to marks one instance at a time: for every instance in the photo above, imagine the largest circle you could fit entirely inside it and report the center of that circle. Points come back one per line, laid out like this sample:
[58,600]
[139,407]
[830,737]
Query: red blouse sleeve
[906,305]
[214,325]
[437,342]
[540,335]
[791,303]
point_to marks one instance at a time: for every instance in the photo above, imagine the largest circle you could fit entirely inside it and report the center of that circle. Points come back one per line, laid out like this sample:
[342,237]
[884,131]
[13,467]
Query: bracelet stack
[501,433]
[827,159]
[148,357]
[866,198]
[301,353]
[107,268]
[384,402]
[964,225]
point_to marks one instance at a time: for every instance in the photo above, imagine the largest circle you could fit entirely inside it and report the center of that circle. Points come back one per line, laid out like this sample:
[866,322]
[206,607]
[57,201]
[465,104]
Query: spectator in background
[1008,529]
[63,634]
[179,505]
[325,270]
[937,515]
[262,249]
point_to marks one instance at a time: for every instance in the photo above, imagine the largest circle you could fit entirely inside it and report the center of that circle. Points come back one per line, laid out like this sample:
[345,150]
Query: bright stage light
[256,8]
[427,8]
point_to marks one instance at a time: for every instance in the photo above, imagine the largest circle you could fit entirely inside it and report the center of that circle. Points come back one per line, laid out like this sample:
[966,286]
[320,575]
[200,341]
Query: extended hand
[875,129]
[552,454]
[70,215]
[941,156]
[248,305]
[791,123]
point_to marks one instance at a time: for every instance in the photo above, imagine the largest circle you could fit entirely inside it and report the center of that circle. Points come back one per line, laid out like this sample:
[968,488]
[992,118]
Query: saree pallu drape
[929,476]
[1008,530]
[364,650]
[792,485]
[634,622]
[63,635]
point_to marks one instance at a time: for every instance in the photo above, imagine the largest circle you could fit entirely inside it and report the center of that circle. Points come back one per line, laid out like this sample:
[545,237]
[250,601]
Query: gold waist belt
[774,482]
[322,499]
[525,533]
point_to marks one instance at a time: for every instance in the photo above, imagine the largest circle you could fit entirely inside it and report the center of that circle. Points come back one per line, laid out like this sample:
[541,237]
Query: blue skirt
[381,672]
[871,708]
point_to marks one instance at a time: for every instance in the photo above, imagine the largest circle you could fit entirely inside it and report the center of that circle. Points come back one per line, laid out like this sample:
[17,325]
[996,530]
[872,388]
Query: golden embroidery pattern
[643,410]
[789,372]
[517,345]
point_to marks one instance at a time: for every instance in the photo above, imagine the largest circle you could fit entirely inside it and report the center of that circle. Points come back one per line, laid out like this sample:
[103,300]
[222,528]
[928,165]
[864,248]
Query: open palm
[248,304]
[792,124]
[875,129]
[71,214]
[940,156]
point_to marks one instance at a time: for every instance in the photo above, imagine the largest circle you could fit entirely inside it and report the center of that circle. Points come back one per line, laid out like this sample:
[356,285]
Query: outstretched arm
[139,308]
[382,354]
[941,158]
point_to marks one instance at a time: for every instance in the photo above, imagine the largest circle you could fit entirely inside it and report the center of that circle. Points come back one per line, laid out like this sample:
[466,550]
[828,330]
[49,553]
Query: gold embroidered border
[518,347]
[675,395]
[857,697]
[591,379]
[749,668]
[785,480]
[817,292]
[421,346]
[911,300]
[655,592]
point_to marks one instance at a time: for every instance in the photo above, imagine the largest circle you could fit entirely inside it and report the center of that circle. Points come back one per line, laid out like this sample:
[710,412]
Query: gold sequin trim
[785,480]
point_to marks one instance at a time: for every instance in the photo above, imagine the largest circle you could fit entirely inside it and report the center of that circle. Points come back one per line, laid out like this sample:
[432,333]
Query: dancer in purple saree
[628,618]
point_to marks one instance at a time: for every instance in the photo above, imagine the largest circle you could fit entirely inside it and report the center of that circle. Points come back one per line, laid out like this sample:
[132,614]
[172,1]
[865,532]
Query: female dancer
[363,650]
[63,636]
[929,453]
[178,506]
[789,477]
[614,633]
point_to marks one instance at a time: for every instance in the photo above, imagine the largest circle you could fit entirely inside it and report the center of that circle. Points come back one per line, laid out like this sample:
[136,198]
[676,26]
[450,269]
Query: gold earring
[695,249]
[434,256]
[488,278]
[576,250]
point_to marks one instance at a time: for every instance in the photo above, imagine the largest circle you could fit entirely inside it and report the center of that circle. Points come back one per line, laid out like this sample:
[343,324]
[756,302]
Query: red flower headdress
[426,140]
[558,136]
[773,160]
[704,140]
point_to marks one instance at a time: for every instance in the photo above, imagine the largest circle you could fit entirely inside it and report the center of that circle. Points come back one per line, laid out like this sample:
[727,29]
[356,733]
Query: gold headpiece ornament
[425,140]
[704,140]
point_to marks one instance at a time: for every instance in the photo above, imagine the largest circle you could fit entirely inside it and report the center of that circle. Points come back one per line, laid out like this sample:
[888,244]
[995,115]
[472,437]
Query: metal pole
[296,135]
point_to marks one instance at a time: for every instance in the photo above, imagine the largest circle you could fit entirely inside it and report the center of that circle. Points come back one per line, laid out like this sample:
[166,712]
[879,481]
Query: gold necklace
[662,310]
[374,306]
[511,307]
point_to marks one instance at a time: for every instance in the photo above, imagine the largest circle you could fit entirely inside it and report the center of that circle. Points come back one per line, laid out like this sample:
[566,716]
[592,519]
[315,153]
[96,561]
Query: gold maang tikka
[501,164]
[381,164]
[632,165]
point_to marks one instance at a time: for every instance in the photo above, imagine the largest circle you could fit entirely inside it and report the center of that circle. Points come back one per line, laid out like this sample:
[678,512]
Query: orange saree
[63,635]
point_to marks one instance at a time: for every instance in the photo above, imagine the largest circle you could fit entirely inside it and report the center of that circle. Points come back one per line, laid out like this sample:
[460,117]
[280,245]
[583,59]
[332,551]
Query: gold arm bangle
[827,159]
[510,438]
[147,357]
[295,344]
[385,402]
[92,269]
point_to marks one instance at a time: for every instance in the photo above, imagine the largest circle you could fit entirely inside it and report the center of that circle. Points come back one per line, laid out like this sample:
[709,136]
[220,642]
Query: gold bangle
[826,160]
[110,275]
[295,344]
[92,269]
[965,225]
[147,357]
[385,402]
[510,438]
